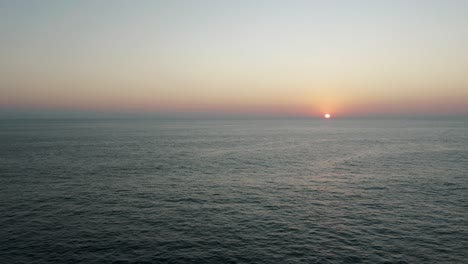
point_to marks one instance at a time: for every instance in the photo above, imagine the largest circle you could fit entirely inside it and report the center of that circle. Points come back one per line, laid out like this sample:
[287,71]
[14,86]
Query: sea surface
[233,191]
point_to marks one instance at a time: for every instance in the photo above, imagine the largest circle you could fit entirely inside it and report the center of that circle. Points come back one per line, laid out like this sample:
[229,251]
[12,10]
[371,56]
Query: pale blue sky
[189,54]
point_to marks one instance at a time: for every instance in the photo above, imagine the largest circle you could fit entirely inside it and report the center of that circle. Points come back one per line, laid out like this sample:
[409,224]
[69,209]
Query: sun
[327,116]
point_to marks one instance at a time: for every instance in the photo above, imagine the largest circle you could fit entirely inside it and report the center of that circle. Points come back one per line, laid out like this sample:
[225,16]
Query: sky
[246,57]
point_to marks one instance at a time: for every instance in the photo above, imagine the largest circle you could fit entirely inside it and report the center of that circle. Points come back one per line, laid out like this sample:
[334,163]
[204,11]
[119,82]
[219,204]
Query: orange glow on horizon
[351,108]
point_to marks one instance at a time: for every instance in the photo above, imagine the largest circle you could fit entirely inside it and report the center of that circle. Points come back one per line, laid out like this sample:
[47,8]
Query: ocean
[233,191]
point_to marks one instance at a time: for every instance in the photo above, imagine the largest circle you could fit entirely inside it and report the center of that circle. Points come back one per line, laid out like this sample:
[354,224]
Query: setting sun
[327,116]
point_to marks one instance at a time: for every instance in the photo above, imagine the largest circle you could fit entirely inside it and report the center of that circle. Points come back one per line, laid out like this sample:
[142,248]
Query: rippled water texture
[302,191]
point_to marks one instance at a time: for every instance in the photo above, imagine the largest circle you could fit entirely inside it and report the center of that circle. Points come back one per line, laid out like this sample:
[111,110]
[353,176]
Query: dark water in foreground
[103,191]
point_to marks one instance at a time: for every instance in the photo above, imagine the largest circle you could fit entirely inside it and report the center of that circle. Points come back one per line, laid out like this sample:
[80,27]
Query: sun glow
[327,116]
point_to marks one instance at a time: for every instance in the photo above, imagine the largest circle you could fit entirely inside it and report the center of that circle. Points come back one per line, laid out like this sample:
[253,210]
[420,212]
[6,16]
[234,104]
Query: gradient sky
[305,58]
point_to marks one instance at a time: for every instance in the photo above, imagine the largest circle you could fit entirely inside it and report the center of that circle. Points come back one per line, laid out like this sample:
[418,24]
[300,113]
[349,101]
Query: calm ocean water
[270,191]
